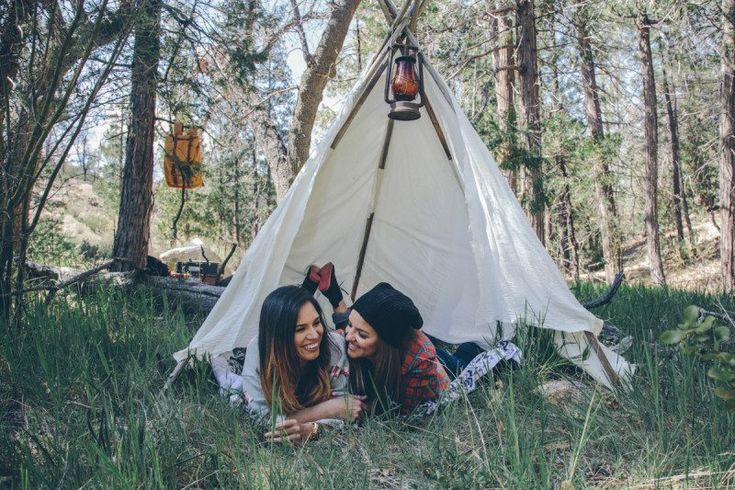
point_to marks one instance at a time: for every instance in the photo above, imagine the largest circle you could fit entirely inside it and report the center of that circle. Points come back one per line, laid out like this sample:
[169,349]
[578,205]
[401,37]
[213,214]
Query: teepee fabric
[448,232]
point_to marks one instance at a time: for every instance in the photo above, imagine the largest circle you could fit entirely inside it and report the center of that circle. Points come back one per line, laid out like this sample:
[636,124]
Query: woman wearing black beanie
[392,361]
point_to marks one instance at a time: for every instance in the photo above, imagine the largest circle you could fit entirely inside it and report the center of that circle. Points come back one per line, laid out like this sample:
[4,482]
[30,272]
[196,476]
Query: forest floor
[80,406]
[687,270]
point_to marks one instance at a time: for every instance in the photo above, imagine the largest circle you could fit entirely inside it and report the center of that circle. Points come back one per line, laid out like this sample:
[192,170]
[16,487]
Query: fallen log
[44,274]
[54,280]
[193,296]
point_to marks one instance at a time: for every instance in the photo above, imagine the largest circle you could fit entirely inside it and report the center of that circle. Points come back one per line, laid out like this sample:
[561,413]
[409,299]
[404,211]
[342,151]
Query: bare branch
[302,35]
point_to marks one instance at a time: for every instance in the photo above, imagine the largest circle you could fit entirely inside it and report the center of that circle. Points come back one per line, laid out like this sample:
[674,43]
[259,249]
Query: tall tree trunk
[675,158]
[651,136]
[606,207]
[504,68]
[727,149]
[136,195]
[311,90]
[533,186]
[11,39]
[236,222]
[15,195]
[570,245]
[565,213]
[687,216]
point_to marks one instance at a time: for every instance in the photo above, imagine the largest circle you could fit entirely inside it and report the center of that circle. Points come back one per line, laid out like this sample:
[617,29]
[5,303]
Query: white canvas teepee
[423,206]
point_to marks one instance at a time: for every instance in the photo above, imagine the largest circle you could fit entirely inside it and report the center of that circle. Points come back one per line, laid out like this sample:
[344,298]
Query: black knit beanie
[390,312]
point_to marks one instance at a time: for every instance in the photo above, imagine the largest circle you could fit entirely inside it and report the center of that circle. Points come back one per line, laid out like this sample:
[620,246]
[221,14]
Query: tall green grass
[80,406]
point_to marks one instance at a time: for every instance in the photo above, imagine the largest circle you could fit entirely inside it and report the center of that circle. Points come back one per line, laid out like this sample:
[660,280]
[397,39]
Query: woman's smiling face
[308,333]
[362,339]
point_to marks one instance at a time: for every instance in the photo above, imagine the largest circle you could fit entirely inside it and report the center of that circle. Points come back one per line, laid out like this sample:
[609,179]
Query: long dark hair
[380,379]
[281,375]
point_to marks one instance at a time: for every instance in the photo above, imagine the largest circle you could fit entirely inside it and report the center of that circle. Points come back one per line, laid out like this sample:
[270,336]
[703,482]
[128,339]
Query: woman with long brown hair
[294,367]
[392,363]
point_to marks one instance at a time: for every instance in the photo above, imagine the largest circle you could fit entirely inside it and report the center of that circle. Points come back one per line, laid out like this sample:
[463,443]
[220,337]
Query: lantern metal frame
[402,110]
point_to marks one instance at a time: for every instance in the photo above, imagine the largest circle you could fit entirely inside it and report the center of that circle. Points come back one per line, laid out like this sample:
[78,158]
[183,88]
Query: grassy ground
[79,407]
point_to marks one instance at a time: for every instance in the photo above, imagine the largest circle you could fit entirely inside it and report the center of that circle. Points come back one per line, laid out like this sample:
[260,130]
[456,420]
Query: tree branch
[302,35]
[227,259]
[608,296]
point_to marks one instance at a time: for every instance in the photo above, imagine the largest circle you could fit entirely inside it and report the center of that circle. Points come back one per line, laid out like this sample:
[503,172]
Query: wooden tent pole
[402,13]
[356,108]
[386,144]
[389,10]
[174,374]
[361,257]
[418,10]
[612,376]
[369,223]
[375,74]
[380,54]
[437,128]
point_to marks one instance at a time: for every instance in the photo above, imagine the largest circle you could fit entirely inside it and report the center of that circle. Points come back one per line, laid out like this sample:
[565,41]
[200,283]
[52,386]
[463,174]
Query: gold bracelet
[314,431]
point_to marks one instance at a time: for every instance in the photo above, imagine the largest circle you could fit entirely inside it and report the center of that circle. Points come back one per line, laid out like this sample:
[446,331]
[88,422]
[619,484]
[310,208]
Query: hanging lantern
[403,83]
[182,161]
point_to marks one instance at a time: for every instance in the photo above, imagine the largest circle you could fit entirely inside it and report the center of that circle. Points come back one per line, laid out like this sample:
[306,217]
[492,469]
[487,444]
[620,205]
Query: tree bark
[675,155]
[569,243]
[727,149]
[311,91]
[651,136]
[565,212]
[136,195]
[11,39]
[606,207]
[532,180]
[271,143]
[687,216]
[503,66]
[237,219]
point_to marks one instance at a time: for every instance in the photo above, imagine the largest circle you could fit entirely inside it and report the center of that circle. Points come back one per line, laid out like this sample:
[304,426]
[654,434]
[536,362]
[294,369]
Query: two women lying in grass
[378,360]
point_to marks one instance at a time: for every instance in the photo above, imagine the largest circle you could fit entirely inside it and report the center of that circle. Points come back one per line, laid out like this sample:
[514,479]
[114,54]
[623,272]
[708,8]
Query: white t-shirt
[255,402]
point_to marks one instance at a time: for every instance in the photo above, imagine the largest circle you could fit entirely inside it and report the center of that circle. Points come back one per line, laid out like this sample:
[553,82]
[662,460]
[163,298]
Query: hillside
[86,212]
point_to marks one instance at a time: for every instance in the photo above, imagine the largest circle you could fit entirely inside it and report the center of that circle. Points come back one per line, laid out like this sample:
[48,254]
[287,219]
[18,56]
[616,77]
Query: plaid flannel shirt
[423,377]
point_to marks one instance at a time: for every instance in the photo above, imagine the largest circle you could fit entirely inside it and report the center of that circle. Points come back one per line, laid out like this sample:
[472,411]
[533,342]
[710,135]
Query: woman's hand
[290,430]
[348,407]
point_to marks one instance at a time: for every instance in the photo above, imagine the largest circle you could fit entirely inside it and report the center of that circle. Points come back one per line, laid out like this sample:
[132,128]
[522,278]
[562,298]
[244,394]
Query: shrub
[698,334]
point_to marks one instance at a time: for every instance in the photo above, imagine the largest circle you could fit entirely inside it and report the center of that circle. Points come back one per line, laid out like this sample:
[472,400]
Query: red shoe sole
[314,274]
[325,274]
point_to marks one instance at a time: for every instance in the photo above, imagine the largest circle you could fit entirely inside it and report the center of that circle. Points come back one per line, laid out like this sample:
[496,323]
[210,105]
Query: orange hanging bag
[182,162]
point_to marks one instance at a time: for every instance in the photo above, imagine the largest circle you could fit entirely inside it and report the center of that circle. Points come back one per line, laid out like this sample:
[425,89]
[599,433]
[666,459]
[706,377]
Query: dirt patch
[694,271]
